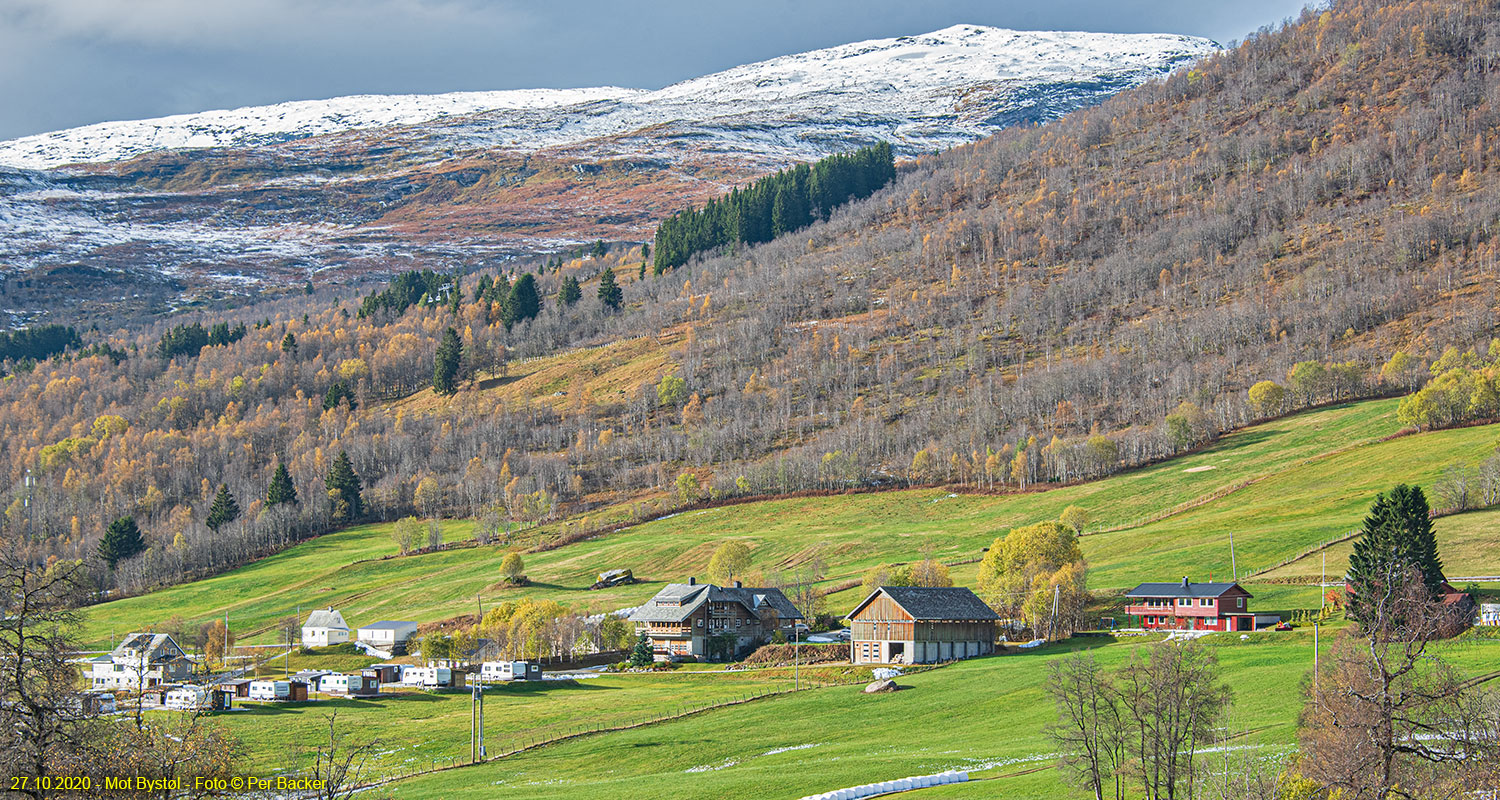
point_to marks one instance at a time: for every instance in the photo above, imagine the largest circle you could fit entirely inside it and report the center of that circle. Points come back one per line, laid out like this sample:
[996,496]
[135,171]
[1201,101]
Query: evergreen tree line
[37,343]
[776,204]
[190,339]
[404,291]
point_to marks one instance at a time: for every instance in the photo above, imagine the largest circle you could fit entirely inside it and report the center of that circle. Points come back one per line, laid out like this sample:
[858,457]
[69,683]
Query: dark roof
[678,601]
[1184,589]
[934,603]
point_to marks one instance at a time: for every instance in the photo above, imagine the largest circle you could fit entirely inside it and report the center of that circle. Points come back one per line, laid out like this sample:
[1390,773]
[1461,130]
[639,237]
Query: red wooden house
[1190,606]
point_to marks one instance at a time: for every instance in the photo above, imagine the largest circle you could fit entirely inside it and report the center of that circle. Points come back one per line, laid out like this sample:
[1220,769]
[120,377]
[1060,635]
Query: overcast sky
[74,62]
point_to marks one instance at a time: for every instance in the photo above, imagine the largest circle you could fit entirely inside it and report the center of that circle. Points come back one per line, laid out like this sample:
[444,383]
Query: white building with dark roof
[324,627]
[702,620]
[142,660]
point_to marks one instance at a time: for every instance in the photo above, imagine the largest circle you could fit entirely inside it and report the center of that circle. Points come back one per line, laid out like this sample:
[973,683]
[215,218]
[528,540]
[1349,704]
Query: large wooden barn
[920,625]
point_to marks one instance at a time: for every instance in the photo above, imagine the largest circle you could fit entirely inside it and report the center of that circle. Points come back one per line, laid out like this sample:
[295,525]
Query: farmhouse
[706,621]
[390,635]
[142,660]
[324,627]
[1188,606]
[920,625]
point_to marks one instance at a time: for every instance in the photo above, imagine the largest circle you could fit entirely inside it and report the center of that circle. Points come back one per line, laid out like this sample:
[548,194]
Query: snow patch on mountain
[919,92]
[255,125]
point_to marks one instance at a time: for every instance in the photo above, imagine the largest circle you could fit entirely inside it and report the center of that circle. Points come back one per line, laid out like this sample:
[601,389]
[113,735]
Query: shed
[921,625]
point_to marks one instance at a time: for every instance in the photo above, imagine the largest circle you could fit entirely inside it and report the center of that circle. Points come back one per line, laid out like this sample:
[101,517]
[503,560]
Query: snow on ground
[920,92]
[112,141]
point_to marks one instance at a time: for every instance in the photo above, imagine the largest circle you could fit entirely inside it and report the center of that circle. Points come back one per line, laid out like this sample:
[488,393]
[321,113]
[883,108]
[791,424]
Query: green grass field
[418,730]
[984,715]
[1310,478]
[1282,489]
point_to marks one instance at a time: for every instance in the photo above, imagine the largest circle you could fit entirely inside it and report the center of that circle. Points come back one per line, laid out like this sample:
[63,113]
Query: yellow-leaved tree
[1028,569]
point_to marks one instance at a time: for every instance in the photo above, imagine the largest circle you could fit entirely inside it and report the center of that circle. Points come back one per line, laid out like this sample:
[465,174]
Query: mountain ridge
[965,54]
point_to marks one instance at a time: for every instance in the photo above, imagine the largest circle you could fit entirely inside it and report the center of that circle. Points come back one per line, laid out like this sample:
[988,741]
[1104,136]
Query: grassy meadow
[983,715]
[1282,488]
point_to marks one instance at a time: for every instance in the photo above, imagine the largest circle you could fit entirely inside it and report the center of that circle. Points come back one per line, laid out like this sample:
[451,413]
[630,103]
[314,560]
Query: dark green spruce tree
[1395,539]
[345,504]
[336,392]
[522,303]
[610,294]
[446,363]
[121,541]
[224,509]
[289,343]
[281,489]
[569,292]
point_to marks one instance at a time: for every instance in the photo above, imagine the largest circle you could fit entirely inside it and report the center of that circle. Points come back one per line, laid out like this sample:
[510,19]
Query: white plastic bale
[960,776]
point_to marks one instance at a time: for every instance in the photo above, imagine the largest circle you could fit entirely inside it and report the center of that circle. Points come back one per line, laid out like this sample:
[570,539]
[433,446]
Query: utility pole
[1233,566]
[796,657]
[1052,624]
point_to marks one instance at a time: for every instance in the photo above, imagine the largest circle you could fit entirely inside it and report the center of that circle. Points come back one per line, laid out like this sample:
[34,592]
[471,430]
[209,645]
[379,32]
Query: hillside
[1303,480]
[1050,305]
[239,202]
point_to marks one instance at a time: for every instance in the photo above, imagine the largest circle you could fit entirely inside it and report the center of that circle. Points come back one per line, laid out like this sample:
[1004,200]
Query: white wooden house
[324,627]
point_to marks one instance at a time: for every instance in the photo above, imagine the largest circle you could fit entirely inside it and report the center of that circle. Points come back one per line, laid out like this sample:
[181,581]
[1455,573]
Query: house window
[1240,602]
[700,622]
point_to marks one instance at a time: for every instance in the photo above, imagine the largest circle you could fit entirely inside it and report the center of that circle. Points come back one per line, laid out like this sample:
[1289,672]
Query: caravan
[349,684]
[510,671]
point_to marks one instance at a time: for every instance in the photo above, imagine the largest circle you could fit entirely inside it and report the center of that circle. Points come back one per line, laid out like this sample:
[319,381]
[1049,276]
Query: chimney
[739,584]
[1184,582]
[692,581]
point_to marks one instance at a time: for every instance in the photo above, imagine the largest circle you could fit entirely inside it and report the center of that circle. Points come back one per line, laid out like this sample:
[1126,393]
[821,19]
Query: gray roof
[386,625]
[934,602]
[678,601]
[326,618]
[155,647]
[1184,589]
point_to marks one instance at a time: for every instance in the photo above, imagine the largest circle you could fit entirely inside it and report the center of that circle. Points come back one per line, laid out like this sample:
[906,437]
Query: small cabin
[385,673]
[510,671]
[239,687]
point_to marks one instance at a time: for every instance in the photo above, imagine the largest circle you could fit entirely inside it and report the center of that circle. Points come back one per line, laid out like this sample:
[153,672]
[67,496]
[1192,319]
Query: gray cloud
[74,62]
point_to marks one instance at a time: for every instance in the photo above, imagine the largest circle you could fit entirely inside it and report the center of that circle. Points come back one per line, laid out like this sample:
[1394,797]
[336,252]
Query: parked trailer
[278,690]
[510,671]
[189,698]
[432,677]
[350,684]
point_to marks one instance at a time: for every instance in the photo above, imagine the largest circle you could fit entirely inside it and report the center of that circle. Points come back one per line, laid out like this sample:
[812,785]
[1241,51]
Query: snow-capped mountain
[920,92]
[265,196]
